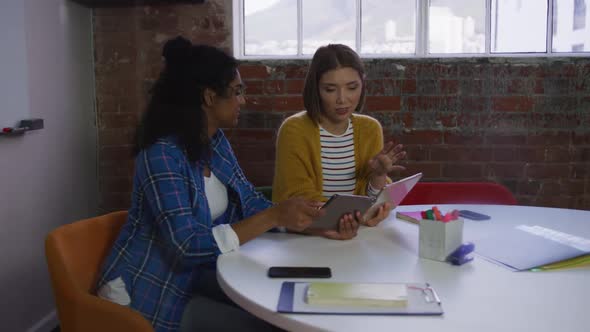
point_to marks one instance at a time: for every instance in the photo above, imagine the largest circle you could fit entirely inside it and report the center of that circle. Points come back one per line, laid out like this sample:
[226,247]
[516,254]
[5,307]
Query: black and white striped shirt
[338,163]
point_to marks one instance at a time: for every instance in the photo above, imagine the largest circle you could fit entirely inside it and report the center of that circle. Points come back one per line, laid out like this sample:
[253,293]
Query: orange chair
[74,254]
[459,193]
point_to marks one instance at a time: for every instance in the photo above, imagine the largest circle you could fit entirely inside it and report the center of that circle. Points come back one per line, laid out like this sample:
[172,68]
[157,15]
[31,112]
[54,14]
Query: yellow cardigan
[298,165]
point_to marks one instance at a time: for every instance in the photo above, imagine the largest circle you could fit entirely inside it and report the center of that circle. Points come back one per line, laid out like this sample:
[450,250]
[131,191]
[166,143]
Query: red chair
[459,193]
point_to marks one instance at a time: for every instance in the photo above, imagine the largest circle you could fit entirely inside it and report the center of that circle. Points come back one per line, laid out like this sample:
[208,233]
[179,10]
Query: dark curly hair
[175,106]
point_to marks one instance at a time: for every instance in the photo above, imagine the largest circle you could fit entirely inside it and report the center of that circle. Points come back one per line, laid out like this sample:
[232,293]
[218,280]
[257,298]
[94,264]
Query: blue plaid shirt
[167,238]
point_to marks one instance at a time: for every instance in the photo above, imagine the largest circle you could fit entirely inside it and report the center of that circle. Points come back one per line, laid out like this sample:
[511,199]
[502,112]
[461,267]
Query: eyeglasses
[238,90]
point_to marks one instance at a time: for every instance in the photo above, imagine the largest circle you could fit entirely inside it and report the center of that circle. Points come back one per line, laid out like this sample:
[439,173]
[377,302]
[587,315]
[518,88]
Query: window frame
[422,12]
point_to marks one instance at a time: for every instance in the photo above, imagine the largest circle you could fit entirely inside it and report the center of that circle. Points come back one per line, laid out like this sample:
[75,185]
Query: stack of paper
[526,247]
[357,294]
[566,264]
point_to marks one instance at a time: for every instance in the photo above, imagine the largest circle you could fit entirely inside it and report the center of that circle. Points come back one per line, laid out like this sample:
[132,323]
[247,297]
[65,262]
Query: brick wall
[128,44]
[522,122]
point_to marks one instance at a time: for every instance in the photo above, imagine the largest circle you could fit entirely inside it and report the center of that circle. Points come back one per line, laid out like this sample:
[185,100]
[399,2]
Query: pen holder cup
[439,239]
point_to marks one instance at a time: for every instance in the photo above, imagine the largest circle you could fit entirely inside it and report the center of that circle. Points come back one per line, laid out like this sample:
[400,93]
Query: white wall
[49,176]
[14,103]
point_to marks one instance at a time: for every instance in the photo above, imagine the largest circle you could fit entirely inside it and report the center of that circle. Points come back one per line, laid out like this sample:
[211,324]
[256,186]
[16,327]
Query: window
[579,14]
[318,31]
[519,26]
[578,48]
[262,40]
[389,27]
[411,28]
[571,33]
[456,26]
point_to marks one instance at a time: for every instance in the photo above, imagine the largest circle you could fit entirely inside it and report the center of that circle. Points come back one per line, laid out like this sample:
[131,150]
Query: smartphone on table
[299,272]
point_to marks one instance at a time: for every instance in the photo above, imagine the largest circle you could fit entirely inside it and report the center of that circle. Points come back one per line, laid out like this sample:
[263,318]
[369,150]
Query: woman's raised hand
[385,161]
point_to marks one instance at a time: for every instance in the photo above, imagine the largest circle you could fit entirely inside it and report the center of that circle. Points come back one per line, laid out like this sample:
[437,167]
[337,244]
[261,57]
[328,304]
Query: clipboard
[422,301]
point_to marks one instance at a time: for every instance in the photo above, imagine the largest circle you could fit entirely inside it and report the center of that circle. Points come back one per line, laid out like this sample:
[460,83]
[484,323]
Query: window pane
[388,26]
[571,26]
[270,27]
[457,26]
[328,21]
[519,26]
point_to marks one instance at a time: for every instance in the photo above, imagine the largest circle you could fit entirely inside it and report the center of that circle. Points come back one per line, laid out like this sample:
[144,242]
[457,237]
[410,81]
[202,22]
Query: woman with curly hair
[191,201]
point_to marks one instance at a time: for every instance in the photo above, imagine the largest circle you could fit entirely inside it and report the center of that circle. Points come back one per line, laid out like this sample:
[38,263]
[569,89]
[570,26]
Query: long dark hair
[176,104]
[327,58]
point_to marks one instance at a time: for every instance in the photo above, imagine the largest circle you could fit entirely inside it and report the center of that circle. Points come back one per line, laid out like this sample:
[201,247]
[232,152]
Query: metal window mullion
[549,44]
[358,30]
[488,28]
[418,27]
[421,28]
[239,42]
[299,27]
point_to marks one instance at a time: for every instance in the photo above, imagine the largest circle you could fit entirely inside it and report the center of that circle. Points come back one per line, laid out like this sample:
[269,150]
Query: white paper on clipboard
[422,301]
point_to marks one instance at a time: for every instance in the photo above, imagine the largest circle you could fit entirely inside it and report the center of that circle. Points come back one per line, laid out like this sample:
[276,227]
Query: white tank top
[216,193]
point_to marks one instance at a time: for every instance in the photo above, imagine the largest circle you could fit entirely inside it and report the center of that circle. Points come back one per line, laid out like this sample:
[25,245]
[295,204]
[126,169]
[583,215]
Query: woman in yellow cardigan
[329,148]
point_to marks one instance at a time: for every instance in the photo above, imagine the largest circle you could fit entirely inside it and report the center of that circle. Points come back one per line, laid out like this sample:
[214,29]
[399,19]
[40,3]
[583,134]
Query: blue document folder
[525,247]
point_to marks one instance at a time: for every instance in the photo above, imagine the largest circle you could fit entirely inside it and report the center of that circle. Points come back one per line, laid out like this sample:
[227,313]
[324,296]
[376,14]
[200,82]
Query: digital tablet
[393,193]
[337,206]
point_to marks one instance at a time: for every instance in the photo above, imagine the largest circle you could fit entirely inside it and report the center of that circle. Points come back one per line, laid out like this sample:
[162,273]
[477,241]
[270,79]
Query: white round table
[478,296]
